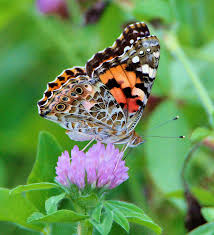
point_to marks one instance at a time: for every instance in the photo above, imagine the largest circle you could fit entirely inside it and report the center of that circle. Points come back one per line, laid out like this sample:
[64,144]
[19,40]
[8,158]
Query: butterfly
[105,100]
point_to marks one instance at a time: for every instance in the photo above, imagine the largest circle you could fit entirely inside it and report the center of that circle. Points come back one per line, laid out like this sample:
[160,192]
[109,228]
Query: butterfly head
[66,100]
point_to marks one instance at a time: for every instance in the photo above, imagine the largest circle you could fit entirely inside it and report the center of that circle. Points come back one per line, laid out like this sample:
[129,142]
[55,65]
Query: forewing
[130,77]
[63,78]
[125,40]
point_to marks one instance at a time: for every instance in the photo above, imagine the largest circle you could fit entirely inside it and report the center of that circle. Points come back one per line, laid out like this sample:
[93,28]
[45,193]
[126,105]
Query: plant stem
[46,230]
[84,228]
[173,45]
[186,161]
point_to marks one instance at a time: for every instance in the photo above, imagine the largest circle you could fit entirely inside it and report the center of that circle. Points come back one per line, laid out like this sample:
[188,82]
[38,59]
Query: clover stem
[84,228]
[174,47]
[47,230]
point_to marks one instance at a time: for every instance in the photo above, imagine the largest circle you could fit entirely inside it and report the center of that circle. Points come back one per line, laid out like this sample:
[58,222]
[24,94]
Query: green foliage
[205,197]
[199,134]
[87,208]
[97,212]
[208,213]
[121,219]
[44,169]
[31,187]
[206,229]
[61,216]
[106,223]
[149,9]
[16,209]
[132,213]
[52,203]
[171,153]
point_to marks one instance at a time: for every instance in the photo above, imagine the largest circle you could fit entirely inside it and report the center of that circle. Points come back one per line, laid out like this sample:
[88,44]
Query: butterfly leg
[125,146]
[91,141]
[130,142]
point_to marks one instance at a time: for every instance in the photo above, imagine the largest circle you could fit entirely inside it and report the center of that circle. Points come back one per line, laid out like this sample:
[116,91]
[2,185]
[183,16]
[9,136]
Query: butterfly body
[105,100]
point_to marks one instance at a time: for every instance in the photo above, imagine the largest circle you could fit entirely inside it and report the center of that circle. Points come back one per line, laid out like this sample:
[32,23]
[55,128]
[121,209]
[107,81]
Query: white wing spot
[141,52]
[127,48]
[148,49]
[131,41]
[135,59]
[145,68]
[156,54]
[152,73]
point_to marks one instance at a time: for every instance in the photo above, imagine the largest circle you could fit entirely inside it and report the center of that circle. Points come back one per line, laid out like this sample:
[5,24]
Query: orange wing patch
[121,84]
[105,77]
[130,75]
[133,72]
[119,96]
[120,76]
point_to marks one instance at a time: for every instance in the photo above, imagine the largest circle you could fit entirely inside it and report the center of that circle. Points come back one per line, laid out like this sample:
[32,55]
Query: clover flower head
[101,167]
[53,7]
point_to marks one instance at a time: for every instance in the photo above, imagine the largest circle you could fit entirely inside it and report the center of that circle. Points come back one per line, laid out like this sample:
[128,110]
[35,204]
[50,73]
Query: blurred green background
[35,48]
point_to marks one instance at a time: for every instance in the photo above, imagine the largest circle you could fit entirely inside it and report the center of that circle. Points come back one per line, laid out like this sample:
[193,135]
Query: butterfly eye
[60,107]
[65,98]
[79,90]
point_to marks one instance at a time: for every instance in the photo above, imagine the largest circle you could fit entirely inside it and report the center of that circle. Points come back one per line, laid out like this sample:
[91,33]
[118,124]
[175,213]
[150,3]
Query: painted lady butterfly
[105,99]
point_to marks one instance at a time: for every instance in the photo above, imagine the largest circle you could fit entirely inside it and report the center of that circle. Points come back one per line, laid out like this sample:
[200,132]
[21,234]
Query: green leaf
[206,229]
[64,228]
[205,197]
[8,12]
[134,214]
[120,219]
[44,169]
[212,118]
[180,82]
[171,152]
[52,203]
[208,213]
[150,9]
[35,216]
[104,227]
[175,194]
[162,87]
[113,13]
[88,201]
[61,216]
[36,186]
[16,208]
[199,134]
[97,212]
[125,206]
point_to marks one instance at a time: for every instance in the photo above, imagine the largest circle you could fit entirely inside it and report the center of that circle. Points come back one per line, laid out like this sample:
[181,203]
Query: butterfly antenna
[164,137]
[164,123]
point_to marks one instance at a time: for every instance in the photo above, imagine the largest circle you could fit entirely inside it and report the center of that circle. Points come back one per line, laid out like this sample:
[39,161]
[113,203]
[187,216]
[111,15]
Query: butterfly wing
[82,105]
[60,80]
[116,84]
[130,76]
[125,40]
